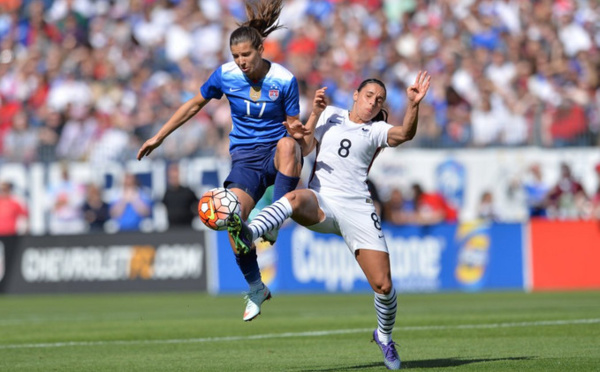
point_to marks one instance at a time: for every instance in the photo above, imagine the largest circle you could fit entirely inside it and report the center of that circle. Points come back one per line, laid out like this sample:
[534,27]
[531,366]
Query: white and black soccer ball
[216,206]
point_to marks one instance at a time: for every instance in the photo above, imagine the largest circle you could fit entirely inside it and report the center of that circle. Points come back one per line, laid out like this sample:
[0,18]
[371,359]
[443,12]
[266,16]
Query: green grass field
[504,331]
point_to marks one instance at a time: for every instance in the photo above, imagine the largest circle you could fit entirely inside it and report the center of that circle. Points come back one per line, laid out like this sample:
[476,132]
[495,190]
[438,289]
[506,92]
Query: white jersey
[345,152]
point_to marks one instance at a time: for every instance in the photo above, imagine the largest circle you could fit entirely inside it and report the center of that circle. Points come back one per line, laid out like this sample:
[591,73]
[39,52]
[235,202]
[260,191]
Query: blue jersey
[258,109]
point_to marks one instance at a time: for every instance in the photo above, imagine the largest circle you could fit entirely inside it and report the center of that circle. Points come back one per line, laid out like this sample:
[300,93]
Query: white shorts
[354,220]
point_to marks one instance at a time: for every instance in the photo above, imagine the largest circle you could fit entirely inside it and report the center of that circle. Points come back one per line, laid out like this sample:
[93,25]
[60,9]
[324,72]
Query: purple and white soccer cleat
[391,359]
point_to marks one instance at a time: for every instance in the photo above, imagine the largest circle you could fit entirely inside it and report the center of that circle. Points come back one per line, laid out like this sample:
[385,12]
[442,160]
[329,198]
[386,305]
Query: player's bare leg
[306,210]
[288,157]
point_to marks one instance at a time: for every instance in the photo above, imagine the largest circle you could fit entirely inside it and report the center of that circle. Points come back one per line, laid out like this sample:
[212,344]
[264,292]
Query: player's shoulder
[230,68]
[331,111]
[279,72]
[381,125]
[331,116]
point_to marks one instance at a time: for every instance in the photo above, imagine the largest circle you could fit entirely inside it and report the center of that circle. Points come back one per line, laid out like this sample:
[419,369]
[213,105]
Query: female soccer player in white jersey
[337,200]
[262,95]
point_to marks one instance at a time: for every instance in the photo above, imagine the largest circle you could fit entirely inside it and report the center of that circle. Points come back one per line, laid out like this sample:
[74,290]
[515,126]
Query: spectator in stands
[398,210]
[536,191]
[78,134]
[66,199]
[486,123]
[95,209]
[33,29]
[49,133]
[181,202]
[431,208]
[132,206]
[486,209]
[20,142]
[567,199]
[566,124]
[13,213]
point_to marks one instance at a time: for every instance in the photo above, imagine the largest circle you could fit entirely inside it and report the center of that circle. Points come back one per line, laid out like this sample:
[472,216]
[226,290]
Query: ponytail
[382,115]
[262,20]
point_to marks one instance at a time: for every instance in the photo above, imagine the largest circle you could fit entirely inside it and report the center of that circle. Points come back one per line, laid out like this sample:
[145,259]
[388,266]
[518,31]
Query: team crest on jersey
[273,94]
[255,93]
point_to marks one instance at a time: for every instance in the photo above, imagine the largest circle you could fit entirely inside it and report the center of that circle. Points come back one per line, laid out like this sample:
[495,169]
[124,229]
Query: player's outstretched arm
[305,134]
[182,115]
[414,94]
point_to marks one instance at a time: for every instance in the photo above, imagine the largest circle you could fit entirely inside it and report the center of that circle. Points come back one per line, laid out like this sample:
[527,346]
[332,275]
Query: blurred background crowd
[90,80]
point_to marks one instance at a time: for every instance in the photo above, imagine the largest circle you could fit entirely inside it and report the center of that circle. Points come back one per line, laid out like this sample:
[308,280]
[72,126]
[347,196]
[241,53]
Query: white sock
[384,337]
[385,308]
[270,218]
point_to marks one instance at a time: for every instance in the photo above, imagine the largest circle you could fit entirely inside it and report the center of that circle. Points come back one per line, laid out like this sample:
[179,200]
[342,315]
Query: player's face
[368,102]
[248,58]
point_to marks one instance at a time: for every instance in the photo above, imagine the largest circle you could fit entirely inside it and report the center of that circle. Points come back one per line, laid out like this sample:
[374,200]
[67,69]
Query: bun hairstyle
[262,20]
[382,115]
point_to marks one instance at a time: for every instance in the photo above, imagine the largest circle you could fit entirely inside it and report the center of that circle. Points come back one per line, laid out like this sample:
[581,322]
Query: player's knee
[383,286]
[292,198]
[288,147]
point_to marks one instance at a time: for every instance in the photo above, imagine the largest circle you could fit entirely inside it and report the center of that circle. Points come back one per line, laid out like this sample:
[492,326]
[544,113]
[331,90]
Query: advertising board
[469,257]
[565,254]
[106,263]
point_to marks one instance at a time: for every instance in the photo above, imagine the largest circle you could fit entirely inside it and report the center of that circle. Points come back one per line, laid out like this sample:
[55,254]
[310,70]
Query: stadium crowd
[90,80]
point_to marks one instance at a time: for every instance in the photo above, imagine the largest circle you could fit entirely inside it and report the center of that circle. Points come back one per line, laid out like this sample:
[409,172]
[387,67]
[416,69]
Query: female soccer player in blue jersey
[337,200]
[262,96]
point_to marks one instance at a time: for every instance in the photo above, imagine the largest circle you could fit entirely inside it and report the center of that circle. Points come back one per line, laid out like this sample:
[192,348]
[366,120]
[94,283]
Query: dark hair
[262,20]
[382,115]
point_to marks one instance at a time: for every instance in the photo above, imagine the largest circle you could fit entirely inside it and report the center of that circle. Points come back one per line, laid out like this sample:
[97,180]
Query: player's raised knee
[288,146]
[292,198]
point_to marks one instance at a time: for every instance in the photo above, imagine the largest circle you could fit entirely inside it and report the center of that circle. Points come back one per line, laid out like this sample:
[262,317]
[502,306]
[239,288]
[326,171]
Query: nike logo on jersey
[335,119]
[365,129]
[380,236]
[234,90]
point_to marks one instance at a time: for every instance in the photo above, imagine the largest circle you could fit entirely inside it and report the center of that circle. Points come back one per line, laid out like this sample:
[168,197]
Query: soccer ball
[215,206]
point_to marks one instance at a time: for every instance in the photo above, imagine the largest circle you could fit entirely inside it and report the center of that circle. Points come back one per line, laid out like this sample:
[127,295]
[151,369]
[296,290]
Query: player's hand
[320,101]
[417,91]
[148,147]
[296,129]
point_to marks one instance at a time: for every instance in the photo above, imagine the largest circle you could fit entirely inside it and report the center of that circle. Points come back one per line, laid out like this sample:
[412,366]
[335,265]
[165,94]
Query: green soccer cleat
[240,233]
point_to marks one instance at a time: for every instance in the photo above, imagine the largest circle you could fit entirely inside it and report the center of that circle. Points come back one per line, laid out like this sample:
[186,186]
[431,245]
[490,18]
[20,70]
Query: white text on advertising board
[108,263]
[415,261]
